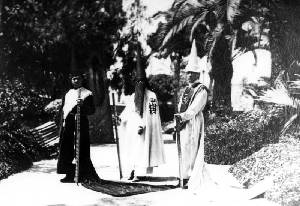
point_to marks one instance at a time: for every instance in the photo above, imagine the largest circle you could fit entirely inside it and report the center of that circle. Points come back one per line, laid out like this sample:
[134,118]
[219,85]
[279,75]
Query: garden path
[40,186]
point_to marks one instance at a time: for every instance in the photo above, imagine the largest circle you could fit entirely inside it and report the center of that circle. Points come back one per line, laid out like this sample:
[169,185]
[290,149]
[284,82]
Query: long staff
[117,136]
[77,143]
[177,131]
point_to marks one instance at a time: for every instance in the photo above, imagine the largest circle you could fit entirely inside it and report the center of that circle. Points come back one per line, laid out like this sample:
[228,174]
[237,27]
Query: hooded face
[139,96]
[76,81]
[192,76]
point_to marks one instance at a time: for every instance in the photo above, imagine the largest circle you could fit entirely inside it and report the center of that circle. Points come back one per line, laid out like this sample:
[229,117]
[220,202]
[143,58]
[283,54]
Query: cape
[71,99]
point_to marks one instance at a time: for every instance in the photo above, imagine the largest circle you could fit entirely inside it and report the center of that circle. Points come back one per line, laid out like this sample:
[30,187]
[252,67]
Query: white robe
[193,130]
[220,188]
[145,150]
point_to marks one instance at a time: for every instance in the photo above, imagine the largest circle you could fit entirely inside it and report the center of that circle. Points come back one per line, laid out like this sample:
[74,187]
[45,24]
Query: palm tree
[214,24]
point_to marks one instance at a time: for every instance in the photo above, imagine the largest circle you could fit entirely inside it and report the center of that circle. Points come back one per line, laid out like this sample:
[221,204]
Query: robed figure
[77,96]
[191,105]
[141,142]
[198,175]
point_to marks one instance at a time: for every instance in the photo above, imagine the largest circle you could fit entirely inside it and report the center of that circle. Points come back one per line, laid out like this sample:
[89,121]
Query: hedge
[231,138]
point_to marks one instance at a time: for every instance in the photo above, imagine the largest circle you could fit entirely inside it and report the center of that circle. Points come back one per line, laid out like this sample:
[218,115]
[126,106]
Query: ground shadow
[157,179]
[42,168]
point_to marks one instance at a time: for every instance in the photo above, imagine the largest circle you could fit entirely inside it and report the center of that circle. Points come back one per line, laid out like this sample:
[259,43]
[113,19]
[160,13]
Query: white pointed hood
[193,60]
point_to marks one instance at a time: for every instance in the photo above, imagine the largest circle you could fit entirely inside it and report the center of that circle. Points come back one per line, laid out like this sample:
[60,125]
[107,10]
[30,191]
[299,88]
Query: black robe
[67,143]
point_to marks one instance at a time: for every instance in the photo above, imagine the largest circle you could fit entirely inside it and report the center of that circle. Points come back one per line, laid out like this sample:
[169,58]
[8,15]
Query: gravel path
[40,186]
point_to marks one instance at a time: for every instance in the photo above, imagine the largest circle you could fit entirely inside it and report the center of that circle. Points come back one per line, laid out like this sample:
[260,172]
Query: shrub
[231,138]
[281,161]
[53,110]
[18,149]
[20,102]
[163,85]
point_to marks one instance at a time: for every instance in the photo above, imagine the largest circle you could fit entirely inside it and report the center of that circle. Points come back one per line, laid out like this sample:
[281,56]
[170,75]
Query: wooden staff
[77,143]
[116,133]
[177,131]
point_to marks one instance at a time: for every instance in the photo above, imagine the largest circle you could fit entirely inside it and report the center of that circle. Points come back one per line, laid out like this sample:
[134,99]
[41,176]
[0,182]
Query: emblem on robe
[152,106]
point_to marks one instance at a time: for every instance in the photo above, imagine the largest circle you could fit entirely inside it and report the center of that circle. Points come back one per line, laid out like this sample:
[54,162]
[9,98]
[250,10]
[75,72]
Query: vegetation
[18,150]
[42,41]
[281,162]
[231,138]
[21,105]
[218,28]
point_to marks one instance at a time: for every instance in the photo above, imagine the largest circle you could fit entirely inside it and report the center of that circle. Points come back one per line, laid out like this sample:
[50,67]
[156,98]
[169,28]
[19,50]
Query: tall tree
[214,24]
[131,51]
[47,38]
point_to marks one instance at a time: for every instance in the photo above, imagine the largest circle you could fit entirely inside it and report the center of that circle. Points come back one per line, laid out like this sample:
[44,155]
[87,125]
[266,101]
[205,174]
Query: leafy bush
[19,102]
[163,85]
[13,157]
[235,137]
[18,149]
[53,110]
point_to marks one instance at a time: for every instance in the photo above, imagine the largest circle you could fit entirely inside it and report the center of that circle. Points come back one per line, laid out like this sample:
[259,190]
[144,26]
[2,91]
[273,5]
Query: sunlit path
[40,186]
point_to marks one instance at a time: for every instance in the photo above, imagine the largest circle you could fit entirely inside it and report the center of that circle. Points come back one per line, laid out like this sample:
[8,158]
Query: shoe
[135,179]
[185,183]
[67,179]
[149,170]
[131,175]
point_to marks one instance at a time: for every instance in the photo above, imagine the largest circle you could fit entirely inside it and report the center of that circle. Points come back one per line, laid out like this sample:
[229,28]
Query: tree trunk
[176,60]
[1,35]
[101,127]
[222,71]
[1,11]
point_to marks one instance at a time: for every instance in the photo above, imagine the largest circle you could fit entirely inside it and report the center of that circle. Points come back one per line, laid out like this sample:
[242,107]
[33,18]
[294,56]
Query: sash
[186,98]
[189,95]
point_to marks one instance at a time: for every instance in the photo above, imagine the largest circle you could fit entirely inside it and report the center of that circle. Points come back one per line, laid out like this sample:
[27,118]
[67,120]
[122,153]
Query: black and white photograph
[149,102]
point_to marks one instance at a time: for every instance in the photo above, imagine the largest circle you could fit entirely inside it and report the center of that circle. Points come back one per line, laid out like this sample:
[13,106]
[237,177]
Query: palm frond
[177,4]
[195,25]
[159,14]
[195,3]
[279,82]
[277,96]
[233,10]
[280,93]
[176,29]
[288,124]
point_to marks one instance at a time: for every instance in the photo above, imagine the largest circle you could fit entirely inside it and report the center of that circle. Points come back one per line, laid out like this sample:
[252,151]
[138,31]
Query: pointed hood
[193,60]
[140,86]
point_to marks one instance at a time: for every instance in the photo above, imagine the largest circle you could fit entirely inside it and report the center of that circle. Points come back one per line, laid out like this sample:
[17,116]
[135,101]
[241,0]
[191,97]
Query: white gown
[193,131]
[147,149]
[221,186]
